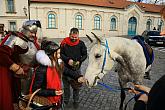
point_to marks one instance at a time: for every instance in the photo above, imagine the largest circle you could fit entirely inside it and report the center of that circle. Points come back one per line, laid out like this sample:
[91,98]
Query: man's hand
[142,97]
[19,72]
[144,88]
[60,92]
[14,67]
[77,63]
[70,62]
[81,80]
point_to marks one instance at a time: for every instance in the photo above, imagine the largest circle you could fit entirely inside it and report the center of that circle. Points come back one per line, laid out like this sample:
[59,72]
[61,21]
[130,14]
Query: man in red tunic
[14,44]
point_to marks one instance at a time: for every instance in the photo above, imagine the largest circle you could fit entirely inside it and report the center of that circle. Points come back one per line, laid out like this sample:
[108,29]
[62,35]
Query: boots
[75,105]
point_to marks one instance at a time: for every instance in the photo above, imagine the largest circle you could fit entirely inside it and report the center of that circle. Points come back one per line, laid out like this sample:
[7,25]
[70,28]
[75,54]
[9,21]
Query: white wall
[18,16]
[66,15]
[66,18]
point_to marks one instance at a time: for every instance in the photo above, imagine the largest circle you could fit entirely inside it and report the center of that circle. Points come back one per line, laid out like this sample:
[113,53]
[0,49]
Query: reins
[125,89]
[107,49]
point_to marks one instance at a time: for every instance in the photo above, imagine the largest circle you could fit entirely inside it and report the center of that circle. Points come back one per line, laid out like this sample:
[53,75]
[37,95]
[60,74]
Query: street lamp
[25,10]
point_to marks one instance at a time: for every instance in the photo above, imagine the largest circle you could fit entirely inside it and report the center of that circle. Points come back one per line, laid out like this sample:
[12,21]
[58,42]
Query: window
[132,24]
[78,21]
[10,5]
[1,28]
[97,22]
[113,24]
[51,21]
[12,26]
[160,25]
[148,25]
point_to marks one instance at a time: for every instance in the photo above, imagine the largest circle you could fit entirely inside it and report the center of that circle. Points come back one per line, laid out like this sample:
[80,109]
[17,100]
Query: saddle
[148,51]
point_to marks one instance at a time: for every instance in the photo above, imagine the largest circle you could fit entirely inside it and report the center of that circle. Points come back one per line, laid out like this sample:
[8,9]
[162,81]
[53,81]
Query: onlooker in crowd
[47,76]
[73,53]
[12,46]
[154,28]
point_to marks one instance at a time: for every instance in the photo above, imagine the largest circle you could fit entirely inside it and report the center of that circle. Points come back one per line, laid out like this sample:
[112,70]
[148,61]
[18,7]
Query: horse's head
[100,61]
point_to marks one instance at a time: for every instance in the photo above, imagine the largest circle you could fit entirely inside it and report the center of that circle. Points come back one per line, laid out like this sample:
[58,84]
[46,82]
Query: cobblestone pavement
[100,98]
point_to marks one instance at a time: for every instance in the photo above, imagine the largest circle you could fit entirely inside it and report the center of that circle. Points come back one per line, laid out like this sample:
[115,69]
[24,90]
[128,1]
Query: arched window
[132,23]
[113,23]
[97,22]
[160,25]
[78,21]
[148,24]
[51,20]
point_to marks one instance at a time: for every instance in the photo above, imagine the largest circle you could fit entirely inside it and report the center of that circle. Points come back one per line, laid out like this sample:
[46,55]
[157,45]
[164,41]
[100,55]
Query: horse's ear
[89,38]
[98,39]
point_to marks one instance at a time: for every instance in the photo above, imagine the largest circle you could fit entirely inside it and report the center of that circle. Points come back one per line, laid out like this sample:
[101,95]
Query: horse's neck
[117,44]
[120,49]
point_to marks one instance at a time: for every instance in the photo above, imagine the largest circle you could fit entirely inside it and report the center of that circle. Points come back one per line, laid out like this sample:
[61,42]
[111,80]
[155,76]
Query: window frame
[79,21]
[160,25]
[52,24]
[10,28]
[97,22]
[113,27]
[148,27]
[12,10]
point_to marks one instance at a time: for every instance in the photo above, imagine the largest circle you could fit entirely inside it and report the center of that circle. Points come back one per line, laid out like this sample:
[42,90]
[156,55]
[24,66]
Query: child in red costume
[47,76]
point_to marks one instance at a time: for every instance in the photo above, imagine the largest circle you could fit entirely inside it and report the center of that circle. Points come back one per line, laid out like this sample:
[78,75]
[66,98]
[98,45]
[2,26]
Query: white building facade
[57,18]
[12,14]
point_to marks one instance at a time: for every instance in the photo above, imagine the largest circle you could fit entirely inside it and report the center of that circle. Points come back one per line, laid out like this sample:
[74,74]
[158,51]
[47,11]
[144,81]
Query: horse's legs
[122,96]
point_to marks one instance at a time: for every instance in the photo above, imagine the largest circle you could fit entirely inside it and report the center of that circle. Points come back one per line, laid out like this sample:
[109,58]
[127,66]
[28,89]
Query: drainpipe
[29,8]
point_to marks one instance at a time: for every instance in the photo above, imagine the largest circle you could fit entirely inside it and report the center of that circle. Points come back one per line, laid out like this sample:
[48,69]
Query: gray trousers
[67,91]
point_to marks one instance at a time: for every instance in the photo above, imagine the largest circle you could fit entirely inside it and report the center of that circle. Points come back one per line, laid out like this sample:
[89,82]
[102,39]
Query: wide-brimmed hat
[49,47]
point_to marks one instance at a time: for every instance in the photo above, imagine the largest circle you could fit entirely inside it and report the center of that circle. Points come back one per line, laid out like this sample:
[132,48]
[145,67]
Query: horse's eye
[97,56]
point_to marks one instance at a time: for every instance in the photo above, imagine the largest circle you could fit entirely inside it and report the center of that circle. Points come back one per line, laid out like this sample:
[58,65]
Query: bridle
[107,49]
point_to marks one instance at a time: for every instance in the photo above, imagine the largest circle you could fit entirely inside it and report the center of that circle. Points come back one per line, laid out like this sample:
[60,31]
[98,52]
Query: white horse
[128,54]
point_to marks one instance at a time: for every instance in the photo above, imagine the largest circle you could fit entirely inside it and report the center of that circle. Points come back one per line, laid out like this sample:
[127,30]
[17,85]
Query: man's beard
[73,40]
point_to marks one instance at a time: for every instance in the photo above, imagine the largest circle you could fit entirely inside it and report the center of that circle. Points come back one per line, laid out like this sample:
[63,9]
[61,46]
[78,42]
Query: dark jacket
[40,82]
[76,53]
[40,75]
[155,98]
